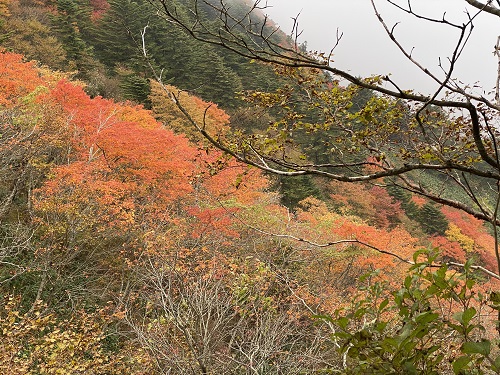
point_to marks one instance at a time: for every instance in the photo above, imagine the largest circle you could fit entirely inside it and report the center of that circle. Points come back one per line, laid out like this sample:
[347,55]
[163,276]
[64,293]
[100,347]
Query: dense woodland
[129,244]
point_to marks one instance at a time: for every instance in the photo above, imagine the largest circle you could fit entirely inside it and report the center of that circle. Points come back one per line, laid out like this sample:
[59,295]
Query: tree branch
[486,7]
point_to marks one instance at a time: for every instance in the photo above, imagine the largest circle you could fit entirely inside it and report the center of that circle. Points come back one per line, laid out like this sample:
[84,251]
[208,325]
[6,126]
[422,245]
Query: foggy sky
[365,48]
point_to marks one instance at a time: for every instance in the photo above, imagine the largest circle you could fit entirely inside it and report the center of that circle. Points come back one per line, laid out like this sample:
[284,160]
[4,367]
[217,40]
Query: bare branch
[486,7]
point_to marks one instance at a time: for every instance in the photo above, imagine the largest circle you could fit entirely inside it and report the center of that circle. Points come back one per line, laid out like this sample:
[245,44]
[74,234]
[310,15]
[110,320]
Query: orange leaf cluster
[17,78]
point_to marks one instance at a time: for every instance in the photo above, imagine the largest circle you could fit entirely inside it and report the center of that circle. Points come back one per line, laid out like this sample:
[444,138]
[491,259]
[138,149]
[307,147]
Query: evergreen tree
[116,37]
[432,220]
[72,25]
[137,89]
[295,189]
[404,196]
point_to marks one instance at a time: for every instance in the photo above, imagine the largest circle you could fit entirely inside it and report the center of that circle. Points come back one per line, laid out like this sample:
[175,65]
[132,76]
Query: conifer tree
[432,219]
[72,26]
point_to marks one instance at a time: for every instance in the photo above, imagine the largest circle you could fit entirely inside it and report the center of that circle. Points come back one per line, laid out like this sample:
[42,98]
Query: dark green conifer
[432,220]
[72,25]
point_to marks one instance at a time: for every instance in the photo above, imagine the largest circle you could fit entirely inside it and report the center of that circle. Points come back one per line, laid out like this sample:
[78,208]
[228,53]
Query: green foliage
[295,189]
[432,219]
[429,216]
[201,69]
[419,328]
[71,24]
[137,89]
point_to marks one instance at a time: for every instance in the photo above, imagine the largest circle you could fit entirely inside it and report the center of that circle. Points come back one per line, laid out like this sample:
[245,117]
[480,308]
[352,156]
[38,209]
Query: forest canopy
[184,189]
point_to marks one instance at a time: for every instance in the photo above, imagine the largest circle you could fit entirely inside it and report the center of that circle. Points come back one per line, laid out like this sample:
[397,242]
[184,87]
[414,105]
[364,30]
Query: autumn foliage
[116,218]
[17,78]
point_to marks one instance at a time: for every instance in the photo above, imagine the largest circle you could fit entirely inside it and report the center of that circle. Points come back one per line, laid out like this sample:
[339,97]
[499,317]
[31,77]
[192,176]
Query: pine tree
[432,220]
[72,25]
[116,37]
[295,189]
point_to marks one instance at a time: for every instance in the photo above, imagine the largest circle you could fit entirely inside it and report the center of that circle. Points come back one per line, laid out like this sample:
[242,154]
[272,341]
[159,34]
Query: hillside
[130,244]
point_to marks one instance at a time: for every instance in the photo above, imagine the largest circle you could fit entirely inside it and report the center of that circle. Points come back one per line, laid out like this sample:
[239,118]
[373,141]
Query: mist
[365,48]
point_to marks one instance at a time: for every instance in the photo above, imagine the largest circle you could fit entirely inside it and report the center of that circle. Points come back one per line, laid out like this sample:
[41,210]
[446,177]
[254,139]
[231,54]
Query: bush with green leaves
[438,322]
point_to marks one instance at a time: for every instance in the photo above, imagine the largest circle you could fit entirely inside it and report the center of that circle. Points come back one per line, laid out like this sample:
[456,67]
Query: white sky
[365,48]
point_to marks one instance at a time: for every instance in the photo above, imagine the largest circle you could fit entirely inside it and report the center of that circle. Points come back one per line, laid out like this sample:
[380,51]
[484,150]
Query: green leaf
[496,364]
[464,317]
[380,326]
[426,317]
[417,253]
[342,322]
[468,315]
[410,368]
[383,304]
[470,283]
[460,363]
[482,347]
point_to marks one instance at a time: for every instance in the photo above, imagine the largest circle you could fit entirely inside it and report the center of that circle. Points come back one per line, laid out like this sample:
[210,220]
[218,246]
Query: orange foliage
[396,241]
[232,180]
[449,249]
[213,222]
[99,7]
[127,138]
[474,229]
[120,167]
[419,201]
[468,224]
[373,204]
[335,227]
[17,78]
[387,211]
[4,8]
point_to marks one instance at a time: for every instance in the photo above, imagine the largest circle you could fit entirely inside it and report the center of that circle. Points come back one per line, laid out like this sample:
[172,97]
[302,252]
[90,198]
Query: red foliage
[488,259]
[232,180]
[475,229]
[449,249]
[387,211]
[213,222]
[468,224]
[372,204]
[128,141]
[122,167]
[99,7]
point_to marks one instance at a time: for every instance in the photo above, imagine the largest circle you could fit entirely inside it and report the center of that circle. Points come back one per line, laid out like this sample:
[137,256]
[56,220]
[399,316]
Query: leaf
[460,363]
[426,317]
[496,364]
[466,316]
[410,368]
[383,304]
[342,322]
[482,347]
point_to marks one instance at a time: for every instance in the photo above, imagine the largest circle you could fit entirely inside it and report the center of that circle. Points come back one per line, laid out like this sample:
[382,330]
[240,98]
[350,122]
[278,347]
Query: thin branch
[291,58]
[350,241]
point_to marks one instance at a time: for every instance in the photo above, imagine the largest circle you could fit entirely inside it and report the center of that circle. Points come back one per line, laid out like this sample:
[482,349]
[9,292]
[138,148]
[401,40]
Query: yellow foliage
[38,343]
[4,8]
[455,234]
[205,114]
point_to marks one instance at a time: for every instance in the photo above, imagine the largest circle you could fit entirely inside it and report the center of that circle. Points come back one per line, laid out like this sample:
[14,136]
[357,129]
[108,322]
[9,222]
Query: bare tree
[196,324]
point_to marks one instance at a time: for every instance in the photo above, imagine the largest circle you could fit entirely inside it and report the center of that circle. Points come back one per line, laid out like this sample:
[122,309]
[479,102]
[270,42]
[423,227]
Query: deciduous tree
[397,134]
[442,146]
